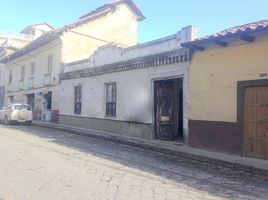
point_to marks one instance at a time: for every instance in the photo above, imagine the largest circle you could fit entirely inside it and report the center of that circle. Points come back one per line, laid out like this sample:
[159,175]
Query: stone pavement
[256,166]
[40,163]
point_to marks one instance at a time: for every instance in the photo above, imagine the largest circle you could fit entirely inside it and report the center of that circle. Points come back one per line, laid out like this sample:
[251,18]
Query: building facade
[32,73]
[2,86]
[140,91]
[229,91]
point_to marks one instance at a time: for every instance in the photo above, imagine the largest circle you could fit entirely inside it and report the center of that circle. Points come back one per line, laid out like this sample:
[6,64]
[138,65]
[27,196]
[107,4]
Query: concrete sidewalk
[251,165]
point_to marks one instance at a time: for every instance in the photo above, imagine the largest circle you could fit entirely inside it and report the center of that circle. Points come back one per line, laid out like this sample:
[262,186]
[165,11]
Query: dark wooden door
[30,100]
[164,103]
[256,122]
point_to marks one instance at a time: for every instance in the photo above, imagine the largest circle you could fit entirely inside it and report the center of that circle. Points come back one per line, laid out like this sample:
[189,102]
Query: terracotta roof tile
[230,32]
[112,6]
[239,29]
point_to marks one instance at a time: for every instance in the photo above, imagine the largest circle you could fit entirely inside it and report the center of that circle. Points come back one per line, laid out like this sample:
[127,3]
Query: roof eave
[24,51]
[224,37]
[135,8]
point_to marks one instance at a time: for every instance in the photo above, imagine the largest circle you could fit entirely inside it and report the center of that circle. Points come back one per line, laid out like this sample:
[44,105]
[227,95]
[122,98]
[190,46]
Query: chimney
[187,34]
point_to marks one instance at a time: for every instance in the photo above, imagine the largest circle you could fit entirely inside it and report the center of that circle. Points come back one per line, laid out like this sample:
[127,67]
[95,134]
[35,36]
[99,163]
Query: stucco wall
[134,93]
[214,74]
[114,53]
[40,57]
[119,26]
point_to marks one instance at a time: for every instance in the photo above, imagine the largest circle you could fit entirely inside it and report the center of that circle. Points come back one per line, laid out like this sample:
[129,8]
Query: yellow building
[228,94]
[31,74]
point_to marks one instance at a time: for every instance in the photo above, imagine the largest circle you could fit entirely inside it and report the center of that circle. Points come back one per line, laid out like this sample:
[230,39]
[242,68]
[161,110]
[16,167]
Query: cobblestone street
[39,163]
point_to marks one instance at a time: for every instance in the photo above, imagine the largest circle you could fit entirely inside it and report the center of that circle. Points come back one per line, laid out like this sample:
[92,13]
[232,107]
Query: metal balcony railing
[12,35]
[9,87]
[47,79]
[21,84]
[31,83]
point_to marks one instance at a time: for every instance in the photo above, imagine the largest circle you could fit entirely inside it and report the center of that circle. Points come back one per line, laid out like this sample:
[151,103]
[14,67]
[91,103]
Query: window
[48,100]
[22,73]
[111,99]
[21,107]
[11,99]
[49,63]
[32,68]
[10,77]
[77,99]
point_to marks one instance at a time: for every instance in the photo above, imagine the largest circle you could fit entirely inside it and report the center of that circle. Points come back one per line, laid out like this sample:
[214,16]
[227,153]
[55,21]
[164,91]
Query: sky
[163,17]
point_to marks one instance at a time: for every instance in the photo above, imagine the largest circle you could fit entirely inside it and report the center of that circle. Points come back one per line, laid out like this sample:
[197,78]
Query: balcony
[19,36]
[47,79]
[21,84]
[31,83]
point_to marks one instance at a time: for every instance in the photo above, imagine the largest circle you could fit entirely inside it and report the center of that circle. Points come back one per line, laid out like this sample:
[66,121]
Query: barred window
[77,99]
[111,99]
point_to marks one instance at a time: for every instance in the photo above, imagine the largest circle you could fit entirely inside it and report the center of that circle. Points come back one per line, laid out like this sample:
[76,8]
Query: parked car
[17,112]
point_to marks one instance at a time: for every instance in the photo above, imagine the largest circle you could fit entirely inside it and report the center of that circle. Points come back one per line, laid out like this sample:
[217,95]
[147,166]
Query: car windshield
[21,107]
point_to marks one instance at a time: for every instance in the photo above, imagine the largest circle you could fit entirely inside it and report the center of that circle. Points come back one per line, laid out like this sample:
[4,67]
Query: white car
[17,112]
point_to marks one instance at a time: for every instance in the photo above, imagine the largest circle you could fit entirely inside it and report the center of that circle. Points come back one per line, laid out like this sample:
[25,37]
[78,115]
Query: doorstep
[251,165]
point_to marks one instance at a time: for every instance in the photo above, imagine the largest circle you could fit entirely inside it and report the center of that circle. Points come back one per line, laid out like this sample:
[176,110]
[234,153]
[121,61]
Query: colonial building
[229,91]
[139,91]
[2,86]
[32,73]
[11,42]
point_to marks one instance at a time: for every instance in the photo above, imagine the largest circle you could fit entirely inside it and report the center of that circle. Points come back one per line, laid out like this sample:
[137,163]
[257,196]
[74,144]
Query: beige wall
[119,26]
[214,74]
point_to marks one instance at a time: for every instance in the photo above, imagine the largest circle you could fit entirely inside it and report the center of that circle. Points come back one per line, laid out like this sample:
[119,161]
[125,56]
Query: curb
[153,147]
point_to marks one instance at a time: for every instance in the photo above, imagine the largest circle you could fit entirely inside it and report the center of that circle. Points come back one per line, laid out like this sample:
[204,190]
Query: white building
[2,86]
[11,42]
[32,73]
[139,91]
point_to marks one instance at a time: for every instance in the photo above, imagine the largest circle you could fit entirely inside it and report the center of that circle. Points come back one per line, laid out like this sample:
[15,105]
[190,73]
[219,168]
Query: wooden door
[164,98]
[256,122]
[30,100]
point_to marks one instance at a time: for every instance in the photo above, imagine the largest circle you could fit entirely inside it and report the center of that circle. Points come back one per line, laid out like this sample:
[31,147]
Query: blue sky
[163,17]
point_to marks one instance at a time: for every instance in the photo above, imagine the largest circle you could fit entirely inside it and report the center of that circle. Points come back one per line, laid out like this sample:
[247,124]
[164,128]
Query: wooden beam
[247,38]
[199,48]
[220,43]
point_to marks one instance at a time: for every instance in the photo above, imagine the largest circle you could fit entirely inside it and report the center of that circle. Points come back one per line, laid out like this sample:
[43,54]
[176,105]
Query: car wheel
[6,122]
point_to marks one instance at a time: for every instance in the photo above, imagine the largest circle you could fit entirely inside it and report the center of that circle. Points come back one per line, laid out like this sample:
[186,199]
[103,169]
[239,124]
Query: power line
[95,38]
[85,35]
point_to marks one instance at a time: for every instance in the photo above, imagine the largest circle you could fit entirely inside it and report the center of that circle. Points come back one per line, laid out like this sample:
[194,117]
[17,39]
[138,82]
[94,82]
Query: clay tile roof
[232,32]
[100,9]
[240,29]
[111,6]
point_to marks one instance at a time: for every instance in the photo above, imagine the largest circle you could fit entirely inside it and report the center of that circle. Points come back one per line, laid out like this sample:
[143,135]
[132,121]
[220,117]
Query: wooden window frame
[111,99]
[78,100]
